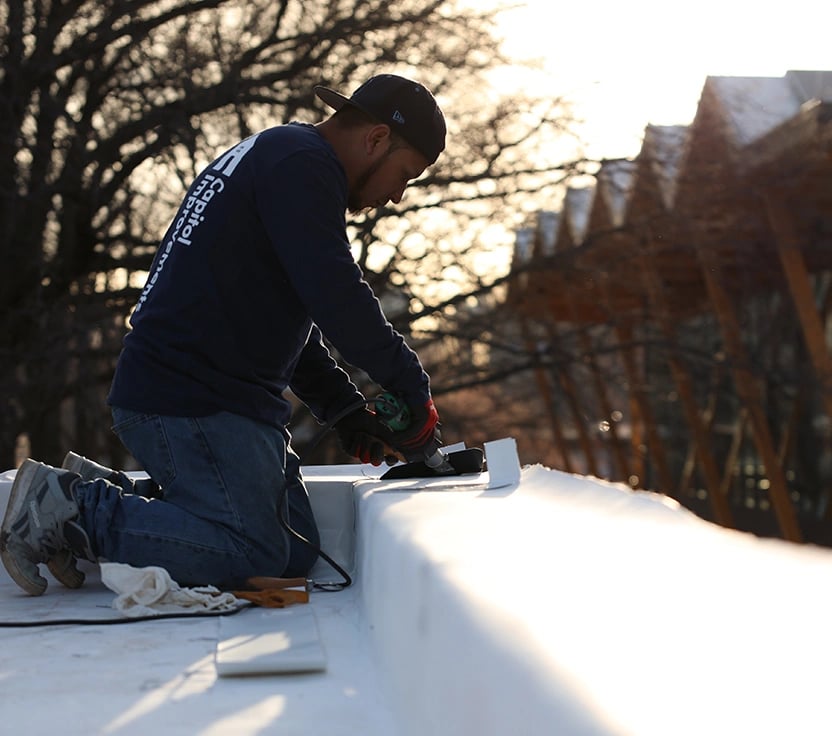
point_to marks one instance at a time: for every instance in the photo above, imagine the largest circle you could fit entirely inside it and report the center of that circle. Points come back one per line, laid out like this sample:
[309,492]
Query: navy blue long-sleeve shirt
[254,268]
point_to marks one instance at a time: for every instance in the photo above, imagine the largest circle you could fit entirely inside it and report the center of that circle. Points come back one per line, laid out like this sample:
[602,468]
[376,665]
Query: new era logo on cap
[398,117]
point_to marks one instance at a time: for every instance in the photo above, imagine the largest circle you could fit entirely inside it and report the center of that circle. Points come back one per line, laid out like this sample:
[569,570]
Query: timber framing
[704,266]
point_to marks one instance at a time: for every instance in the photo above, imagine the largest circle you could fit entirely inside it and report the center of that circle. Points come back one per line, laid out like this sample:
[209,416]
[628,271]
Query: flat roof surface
[159,677]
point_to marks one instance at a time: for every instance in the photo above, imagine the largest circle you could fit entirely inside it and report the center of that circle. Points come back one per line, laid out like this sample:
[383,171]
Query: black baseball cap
[406,106]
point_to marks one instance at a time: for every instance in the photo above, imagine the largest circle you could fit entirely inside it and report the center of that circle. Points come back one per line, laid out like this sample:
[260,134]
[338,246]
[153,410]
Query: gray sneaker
[88,469]
[41,502]
[64,565]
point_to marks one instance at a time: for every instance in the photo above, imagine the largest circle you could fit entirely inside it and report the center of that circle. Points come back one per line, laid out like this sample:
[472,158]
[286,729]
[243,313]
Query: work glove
[422,438]
[362,435]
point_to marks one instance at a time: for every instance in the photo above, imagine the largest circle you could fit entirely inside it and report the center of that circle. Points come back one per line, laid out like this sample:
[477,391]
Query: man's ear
[376,138]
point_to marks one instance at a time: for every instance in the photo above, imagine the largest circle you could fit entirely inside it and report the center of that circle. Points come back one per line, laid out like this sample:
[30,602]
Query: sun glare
[626,65]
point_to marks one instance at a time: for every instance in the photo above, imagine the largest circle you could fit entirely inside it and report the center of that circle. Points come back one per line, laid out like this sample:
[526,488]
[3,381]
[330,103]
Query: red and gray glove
[422,438]
[363,436]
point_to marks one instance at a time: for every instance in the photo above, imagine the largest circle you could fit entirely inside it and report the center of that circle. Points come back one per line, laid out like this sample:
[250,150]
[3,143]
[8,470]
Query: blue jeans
[220,481]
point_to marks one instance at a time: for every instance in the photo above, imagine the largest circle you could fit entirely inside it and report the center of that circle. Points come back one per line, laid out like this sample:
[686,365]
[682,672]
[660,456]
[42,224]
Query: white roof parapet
[547,228]
[577,205]
[664,146]
[615,183]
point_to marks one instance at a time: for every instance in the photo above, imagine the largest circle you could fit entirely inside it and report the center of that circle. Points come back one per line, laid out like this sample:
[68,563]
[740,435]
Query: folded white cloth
[150,591]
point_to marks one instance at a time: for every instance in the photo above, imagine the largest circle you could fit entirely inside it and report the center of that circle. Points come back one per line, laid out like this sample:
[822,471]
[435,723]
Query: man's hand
[422,438]
[362,435]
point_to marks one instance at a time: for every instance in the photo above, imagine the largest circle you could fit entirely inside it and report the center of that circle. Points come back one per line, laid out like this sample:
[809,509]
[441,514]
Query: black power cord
[328,425]
[122,620]
[347,580]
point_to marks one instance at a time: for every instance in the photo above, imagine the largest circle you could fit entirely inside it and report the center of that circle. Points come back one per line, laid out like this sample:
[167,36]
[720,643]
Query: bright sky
[627,64]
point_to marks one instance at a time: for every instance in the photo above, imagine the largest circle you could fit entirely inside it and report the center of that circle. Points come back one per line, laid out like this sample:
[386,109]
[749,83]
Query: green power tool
[395,415]
[392,412]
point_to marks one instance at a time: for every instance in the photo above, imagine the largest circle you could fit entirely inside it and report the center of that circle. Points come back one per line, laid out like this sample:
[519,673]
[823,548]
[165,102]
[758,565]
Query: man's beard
[354,204]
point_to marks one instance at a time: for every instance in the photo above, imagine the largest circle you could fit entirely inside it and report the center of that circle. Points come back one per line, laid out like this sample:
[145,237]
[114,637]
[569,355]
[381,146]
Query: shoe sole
[63,568]
[26,475]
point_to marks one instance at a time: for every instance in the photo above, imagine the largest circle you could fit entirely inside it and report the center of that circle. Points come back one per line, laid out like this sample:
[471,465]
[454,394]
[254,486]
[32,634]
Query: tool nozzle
[438,462]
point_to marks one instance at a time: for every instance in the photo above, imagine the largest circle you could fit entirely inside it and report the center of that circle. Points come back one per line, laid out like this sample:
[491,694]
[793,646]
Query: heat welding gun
[394,414]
